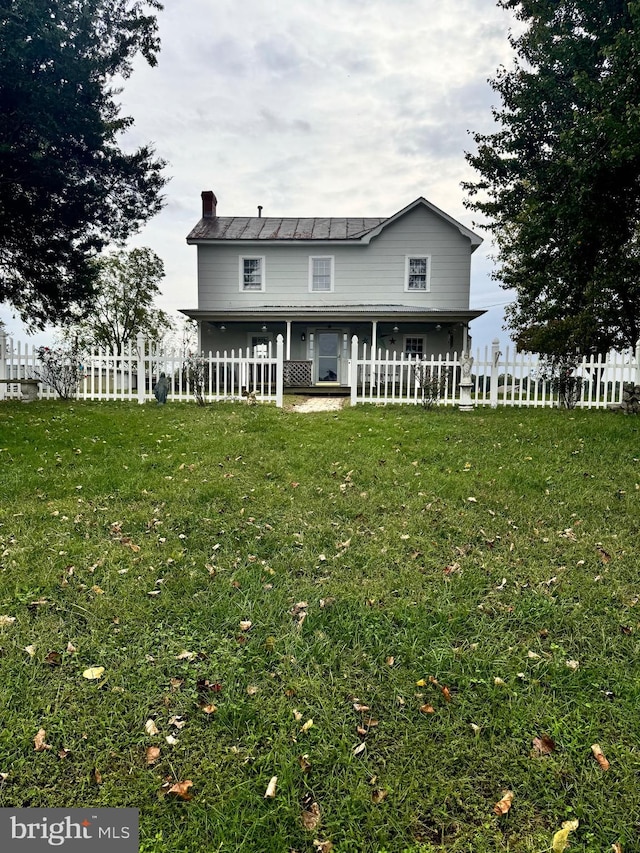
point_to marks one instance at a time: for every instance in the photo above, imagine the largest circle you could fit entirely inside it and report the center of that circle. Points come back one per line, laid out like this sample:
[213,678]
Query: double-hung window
[321,274]
[417,273]
[252,273]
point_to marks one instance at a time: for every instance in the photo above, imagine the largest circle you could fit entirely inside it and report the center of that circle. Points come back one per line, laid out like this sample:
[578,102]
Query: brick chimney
[209,204]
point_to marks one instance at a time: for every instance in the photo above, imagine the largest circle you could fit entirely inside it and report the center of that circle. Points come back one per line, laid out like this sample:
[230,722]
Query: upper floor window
[252,273]
[417,271]
[321,274]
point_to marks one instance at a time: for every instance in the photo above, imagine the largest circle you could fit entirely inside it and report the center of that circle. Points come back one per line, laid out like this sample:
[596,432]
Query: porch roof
[346,312]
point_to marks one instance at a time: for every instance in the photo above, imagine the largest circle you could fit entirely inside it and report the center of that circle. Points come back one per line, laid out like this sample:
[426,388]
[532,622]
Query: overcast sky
[323,108]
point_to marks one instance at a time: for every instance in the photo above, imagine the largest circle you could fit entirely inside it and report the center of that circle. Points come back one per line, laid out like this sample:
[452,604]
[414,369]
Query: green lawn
[374,551]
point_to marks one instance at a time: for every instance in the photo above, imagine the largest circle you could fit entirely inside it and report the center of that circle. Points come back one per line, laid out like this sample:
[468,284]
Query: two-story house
[399,283]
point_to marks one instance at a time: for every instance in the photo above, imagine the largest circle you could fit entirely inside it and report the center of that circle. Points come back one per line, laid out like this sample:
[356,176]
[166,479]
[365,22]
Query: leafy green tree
[128,283]
[559,180]
[67,189]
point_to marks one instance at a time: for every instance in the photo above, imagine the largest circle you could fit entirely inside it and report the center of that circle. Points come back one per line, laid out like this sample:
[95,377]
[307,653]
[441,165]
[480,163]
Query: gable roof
[303,229]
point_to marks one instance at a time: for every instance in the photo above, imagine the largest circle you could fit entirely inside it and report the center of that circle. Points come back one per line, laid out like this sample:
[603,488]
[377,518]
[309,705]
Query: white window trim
[263,267]
[407,260]
[423,338]
[313,258]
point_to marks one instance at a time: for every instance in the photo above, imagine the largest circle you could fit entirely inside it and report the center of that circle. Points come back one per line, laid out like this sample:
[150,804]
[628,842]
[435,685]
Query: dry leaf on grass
[185,655]
[503,805]
[245,625]
[30,650]
[6,620]
[446,693]
[361,709]
[561,837]
[428,709]
[390,661]
[599,756]
[54,659]
[307,726]
[39,741]
[209,709]
[181,790]
[271,788]
[311,817]
[305,764]
[616,847]
[151,728]
[93,673]
[152,754]
[543,745]
[379,795]
[359,749]
[322,846]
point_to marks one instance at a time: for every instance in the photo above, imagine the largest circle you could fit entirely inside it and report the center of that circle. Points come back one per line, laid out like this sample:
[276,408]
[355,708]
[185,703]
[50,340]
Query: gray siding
[372,273]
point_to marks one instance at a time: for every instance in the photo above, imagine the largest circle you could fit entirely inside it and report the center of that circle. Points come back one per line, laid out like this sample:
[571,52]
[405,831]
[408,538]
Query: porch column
[374,337]
[288,344]
[465,338]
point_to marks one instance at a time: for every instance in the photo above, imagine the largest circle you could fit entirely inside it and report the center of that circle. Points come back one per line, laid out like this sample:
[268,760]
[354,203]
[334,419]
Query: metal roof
[277,228]
[346,229]
[303,311]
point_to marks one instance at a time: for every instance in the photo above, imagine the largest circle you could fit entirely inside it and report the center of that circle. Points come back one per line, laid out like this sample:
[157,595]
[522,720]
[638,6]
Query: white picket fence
[497,378]
[132,374]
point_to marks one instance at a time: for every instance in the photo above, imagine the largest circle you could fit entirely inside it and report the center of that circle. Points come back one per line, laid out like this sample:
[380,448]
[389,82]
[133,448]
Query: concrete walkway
[320,404]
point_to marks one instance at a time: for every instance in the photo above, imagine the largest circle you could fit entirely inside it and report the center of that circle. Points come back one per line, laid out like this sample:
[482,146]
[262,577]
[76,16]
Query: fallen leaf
[39,741]
[599,756]
[97,775]
[307,726]
[151,728]
[359,749]
[176,683]
[6,620]
[421,683]
[271,788]
[53,659]
[616,847]
[472,500]
[503,805]
[30,650]
[152,754]
[446,693]
[71,649]
[209,709]
[476,728]
[499,682]
[62,753]
[297,716]
[171,740]
[305,764]
[428,709]
[177,722]
[93,673]
[361,709]
[311,817]
[181,790]
[572,664]
[322,846]
[543,745]
[390,660]
[561,837]
[378,795]
[605,557]
[185,655]
[245,625]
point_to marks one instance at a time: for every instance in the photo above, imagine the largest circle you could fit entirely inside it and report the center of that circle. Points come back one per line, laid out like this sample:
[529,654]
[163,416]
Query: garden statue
[161,390]
[466,383]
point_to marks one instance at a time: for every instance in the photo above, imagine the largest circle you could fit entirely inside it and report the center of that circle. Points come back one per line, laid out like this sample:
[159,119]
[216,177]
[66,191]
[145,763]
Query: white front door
[328,356]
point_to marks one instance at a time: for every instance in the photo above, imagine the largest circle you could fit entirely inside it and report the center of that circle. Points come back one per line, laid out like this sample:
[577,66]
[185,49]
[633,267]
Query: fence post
[279,371]
[3,363]
[353,376]
[141,369]
[637,382]
[493,379]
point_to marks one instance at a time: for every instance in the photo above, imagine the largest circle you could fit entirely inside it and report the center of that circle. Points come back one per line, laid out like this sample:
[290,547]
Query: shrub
[61,369]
